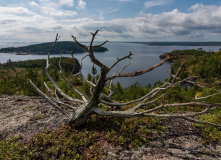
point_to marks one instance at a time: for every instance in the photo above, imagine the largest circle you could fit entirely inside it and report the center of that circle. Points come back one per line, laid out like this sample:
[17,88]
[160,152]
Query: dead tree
[89,106]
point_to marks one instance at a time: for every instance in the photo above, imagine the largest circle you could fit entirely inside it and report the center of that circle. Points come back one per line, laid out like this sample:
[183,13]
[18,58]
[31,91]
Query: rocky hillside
[28,116]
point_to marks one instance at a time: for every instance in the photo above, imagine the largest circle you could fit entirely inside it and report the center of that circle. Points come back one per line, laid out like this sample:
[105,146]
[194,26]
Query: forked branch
[121,59]
[83,46]
[84,97]
[46,97]
[100,44]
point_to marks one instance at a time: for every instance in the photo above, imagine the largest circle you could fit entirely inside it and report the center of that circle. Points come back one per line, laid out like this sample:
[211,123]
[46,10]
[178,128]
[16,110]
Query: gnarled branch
[100,45]
[46,97]
[121,59]
[137,73]
[51,80]
[83,46]
[83,96]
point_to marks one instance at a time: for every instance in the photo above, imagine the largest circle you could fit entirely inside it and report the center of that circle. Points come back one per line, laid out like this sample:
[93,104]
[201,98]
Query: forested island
[64,47]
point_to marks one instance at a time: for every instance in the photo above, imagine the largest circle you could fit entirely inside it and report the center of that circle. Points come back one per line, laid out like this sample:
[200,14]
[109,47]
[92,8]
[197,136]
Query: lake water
[144,56]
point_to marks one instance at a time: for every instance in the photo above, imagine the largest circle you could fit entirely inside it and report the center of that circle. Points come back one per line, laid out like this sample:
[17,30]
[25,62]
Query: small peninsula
[43,48]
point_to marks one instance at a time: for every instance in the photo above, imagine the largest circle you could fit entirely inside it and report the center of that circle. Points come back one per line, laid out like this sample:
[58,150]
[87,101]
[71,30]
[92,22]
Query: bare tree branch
[83,96]
[56,39]
[201,122]
[199,98]
[215,114]
[141,114]
[82,60]
[151,94]
[49,92]
[62,103]
[73,69]
[146,104]
[92,39]
[137,73]
[83,46]
[112,92]
[121,59]
[110,84]
[192,82]
[133,101]
[184,80]
[58,101]
[59,90]
[181,66]
[183,105]
[124,68]
[100,44]
[51,80]
[89,82]
[46,97]
[91,54]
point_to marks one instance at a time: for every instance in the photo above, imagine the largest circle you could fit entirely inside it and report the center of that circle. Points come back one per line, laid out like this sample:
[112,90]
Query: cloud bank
[41,21]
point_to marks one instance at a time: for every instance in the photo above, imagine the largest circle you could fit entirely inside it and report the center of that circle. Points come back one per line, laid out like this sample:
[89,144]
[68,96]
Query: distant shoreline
[21,53]
[179,43]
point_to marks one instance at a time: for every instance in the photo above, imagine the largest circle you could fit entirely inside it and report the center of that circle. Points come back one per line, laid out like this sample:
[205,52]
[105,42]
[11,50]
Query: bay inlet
[144,56]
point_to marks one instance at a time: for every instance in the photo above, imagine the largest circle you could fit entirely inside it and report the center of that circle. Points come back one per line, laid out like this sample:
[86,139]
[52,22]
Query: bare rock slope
[27,116]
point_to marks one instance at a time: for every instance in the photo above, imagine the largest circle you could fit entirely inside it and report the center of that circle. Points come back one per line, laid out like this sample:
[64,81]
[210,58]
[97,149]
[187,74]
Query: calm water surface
[144,56]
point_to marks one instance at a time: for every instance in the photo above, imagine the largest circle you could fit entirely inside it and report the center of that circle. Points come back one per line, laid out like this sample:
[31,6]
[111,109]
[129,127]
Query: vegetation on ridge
[205,65]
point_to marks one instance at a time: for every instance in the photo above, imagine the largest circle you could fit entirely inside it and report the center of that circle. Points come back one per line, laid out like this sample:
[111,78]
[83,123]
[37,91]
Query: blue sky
[117,20]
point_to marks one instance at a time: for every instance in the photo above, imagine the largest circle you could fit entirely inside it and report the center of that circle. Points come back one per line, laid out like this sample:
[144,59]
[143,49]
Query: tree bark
[81,115]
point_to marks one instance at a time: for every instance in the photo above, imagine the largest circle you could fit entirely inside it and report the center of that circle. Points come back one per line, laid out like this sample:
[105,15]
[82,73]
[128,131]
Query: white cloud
[58,13]
[203,22]
[14,10]
[69,3]
[81,4]
[32,3]
[51,8]
[63,13]
[196,7]
[153,3]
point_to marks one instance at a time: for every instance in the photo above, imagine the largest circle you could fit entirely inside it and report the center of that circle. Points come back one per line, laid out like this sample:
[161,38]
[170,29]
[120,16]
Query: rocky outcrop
[182,141]
[27,116]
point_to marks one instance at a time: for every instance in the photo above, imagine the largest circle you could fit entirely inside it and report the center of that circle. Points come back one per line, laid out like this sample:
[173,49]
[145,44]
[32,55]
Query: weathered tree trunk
[83,112]
[81,115]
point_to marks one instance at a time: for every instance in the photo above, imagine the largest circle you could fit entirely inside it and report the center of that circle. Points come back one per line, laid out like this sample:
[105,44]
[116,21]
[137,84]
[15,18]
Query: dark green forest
[43,48]
[205,65]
